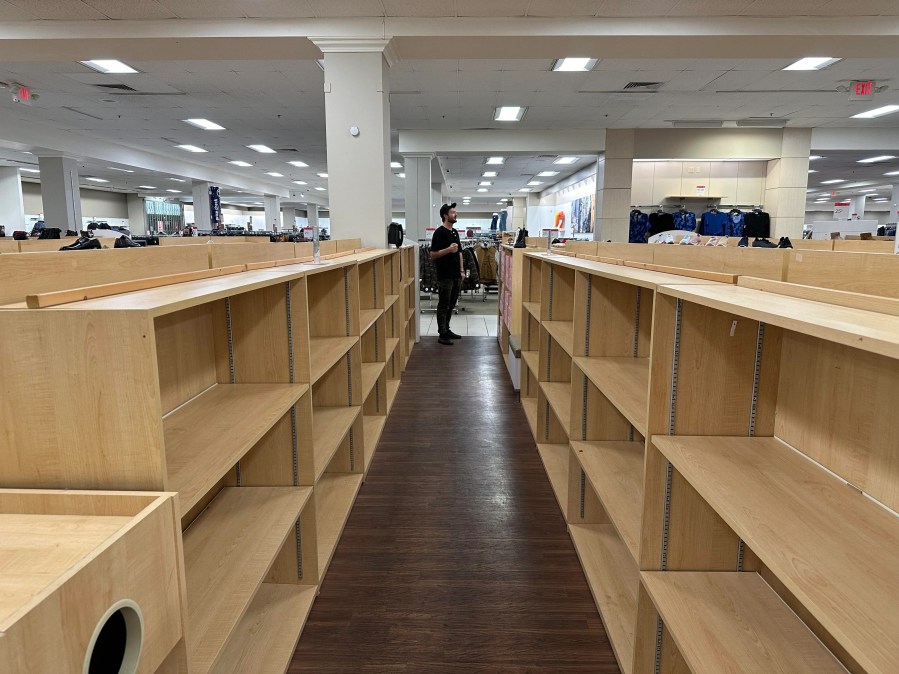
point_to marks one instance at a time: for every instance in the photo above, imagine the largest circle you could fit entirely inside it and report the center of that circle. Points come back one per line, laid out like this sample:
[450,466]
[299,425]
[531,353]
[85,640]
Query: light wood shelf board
[392,343]
[390,300]
[533,308]
[393,385]
[734,622]
[625,382]
[205,438]
[615,471]
[227,552]
[372,427]
[266,638]
[613,579]
[555,462]
[558,393]
[532,358]
[370,374]
[530,412]
[324,352]
[825,531]
[563,333]
[368,317]
[335,494]
[410,314]
[329,427]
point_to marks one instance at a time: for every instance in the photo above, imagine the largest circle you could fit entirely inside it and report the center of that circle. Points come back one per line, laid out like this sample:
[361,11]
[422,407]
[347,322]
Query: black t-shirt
[448,266]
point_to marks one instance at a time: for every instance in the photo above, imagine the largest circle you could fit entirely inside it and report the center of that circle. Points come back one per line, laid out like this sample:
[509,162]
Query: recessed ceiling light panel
[238,162]
[191,148]
[875,160]
[877,112]
[110,67]
[574,65]
[264,149]
[566,160]
[204,124]
[496,160]
[813,63]
[509,113]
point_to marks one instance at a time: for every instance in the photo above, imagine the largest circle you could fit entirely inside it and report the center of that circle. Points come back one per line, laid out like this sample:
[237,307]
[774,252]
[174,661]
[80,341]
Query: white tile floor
[467,326]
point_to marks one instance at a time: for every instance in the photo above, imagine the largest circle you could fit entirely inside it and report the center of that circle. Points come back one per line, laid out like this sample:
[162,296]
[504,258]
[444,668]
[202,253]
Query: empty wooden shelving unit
[258,397]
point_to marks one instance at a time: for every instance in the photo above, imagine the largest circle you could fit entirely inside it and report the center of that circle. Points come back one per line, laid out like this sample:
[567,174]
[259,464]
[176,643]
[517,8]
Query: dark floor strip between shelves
[455,557]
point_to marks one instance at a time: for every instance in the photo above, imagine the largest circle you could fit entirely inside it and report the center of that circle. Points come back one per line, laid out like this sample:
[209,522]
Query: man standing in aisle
[446,251]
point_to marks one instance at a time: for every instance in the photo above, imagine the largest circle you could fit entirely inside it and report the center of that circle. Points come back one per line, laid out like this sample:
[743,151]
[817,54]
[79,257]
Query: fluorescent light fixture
[110,67]
[174,191]
[815,156]
[482,189]
[239,162]
[322,175]
[874,160]
[525,189]
[298,163]
[274,174]
[191,148]
[566,160]
[508,113]
[264,149]
[812,171]
[97,180]
[574,65]
[204,124]
[880,201]
[300,182]
[813,63]
[488,174]
[485,183]
[148,187]
[496,160]
[400,175]
[395,164]
[177,180]
[867,190]
[320,189]
[29,170]
[27,152]
[113,168]
[877,112]
[547,174]
[831,182]
[892,173]
[534,183]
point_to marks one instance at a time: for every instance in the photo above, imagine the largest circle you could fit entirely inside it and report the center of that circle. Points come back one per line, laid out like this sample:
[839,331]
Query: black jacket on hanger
[757,223]
[660,222]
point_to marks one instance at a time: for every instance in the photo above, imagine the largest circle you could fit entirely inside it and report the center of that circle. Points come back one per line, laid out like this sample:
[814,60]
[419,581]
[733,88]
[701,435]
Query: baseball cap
[445,209]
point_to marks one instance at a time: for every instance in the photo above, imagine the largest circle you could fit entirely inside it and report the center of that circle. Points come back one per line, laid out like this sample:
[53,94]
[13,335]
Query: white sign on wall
[842,210]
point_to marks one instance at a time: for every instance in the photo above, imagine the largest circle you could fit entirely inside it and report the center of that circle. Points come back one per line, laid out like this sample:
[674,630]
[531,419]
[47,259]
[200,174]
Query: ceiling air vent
[115,87]
[642,86]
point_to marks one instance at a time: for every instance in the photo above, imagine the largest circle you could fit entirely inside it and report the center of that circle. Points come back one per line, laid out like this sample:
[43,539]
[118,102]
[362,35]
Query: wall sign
[862,90]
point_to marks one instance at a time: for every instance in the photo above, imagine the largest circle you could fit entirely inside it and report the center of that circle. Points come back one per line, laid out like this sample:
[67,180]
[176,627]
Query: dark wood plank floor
[456,556]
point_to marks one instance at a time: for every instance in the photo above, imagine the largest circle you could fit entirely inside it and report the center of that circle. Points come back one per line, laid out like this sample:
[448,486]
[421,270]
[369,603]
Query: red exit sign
[861,90]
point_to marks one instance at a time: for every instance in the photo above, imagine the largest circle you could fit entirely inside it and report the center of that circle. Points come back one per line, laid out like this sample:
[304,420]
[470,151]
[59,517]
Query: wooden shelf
[329,427]
[324,352]
[373,427]
[208,435]
[392,343]
[834,549]
[558,393]
[368,317]
[613,579]
[266,638]
[410,314]
[615,471]
[734,622]
[555,461]
[370,374]
[228,551]
[625,382]
[563,333]
[531,359]
[389,301]
[334,497]
[533,308]
[393,385]
[530,412]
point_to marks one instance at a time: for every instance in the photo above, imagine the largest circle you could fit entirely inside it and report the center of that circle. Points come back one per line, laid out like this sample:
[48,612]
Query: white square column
[60,192]
[202,212]
[288,219]
[614,177]
[272,213]
[137,214]
[786,184]
[420,212]
[357,116]
[12,206]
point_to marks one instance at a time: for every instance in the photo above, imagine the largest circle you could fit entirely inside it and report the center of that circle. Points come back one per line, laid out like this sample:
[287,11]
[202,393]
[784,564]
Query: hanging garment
[757,224]
[735,223]
[472,280]
[639,227]
[427,270]
[660,222]
[502,221]
[395,234]
[713,223]
[493,222]
[684,220]
[486,257]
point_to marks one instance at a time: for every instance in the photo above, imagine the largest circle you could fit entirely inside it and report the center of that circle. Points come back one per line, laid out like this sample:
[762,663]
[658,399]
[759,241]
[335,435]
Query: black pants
[448,295]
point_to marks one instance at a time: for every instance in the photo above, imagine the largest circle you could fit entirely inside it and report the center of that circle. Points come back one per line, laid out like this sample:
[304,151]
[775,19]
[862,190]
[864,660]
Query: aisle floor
[456,557]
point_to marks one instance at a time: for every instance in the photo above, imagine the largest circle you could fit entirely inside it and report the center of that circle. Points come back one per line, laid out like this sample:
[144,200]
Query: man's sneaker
[744,242]
[445,340]
[785,242]
[763,243]
[449,334]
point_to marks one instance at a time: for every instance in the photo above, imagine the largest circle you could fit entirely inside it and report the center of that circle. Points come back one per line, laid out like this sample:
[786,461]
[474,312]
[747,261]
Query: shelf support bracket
[756,375]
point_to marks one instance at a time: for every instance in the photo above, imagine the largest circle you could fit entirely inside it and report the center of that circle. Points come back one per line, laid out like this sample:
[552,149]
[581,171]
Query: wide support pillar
[12,206]
[202,212]
[786,183]
[272,213]
[420,212]
[614,177]
[357,117]
[288,218]
[60,191]
[137,214]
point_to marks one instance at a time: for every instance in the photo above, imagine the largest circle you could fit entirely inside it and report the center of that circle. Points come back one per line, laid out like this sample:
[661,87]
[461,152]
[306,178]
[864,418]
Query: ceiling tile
[346,8]
[791,8]
[563,8]
[692,80]
[11,12]
[416,8]
[59,10]
[230,9]
[710,7]
[625,8]
[502,8]
[134,9]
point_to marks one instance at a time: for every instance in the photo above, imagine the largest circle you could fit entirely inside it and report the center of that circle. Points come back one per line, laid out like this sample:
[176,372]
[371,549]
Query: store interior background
[707,128]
